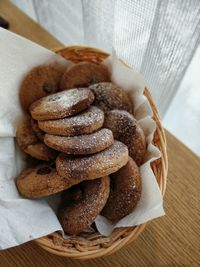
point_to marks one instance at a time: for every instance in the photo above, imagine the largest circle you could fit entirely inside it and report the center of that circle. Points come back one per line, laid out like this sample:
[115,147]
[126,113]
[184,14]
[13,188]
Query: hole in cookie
[44,170]
[112,186]
[47,87]
[76,194]
[52,165]
[72,196]
[92,81]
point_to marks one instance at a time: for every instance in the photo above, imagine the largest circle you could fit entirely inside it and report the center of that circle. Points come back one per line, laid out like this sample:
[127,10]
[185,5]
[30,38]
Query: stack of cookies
[80,128]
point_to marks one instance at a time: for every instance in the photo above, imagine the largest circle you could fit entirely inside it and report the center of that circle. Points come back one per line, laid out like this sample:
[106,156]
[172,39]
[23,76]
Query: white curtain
[156,37]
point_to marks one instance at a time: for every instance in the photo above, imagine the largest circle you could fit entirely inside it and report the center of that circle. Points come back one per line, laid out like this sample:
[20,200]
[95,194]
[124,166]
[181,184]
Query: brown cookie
[82,144]
[62,104]
[38,132]
[39,82]
[40,181]
[29,143]
[41,151]
[125,192]
[85,122]
[126,129]
[93,166]
[82,204]
[84,74]
[25,135]
[109,96]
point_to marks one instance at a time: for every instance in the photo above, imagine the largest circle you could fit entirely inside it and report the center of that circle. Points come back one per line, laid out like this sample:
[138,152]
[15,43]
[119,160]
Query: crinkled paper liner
[22,220]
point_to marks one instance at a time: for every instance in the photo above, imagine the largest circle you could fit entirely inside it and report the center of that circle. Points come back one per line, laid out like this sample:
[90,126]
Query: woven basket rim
[98,246]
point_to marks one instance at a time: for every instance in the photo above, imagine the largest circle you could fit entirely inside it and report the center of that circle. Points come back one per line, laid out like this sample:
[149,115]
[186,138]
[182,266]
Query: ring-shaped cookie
[39,82]
[84,74]
[82,144]
[30,144]
[93,166]
[40,181]
[109,96]
[125,192]
[126,129]
[85,122]
[82,204]
[62,104]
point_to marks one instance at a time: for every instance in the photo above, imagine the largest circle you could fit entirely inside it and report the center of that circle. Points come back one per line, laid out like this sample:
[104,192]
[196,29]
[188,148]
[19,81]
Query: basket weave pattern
[92,245]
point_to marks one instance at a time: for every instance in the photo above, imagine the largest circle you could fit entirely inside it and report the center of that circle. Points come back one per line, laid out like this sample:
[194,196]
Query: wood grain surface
[25,26]
[173,240]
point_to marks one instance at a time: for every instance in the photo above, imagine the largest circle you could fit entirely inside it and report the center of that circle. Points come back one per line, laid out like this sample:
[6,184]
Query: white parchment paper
[22,220]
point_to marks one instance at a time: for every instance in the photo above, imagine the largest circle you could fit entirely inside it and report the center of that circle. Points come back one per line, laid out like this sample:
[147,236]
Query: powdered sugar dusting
[67,98]
[109,96]
[62,104]
[97,165]
[84,210]
[125,193]
[126,129]
[82,144]
[85,122]
[85,118]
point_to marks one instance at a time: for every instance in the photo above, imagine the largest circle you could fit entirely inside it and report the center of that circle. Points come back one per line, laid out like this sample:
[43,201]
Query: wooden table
[173,240]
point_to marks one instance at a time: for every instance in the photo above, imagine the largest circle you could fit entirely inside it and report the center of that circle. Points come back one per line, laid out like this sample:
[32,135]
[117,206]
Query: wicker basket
[93,245]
